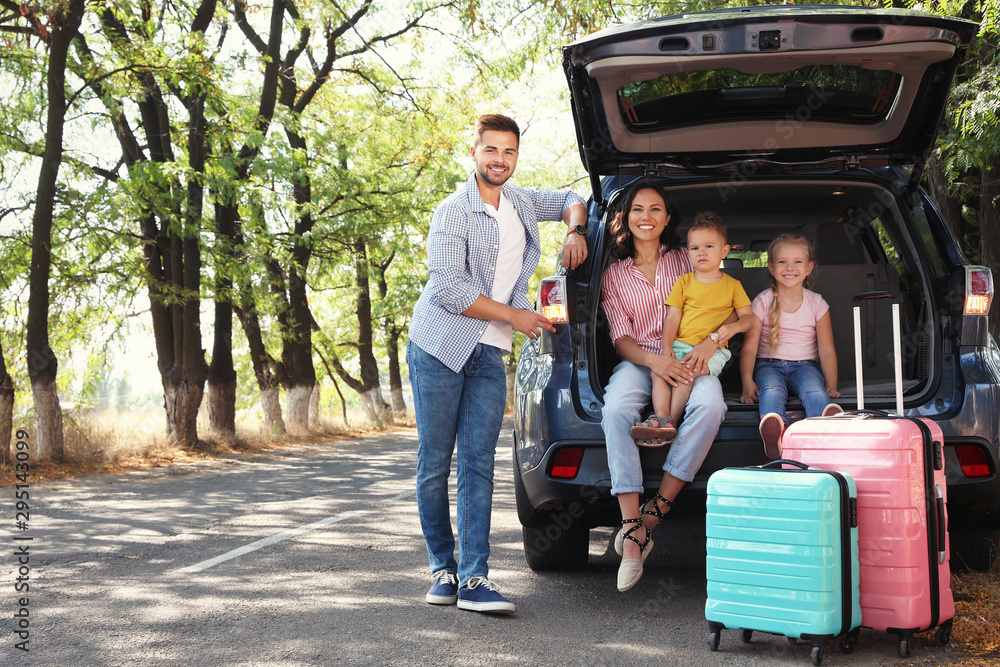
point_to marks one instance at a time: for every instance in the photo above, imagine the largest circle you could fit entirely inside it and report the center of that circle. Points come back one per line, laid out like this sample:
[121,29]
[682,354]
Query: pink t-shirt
[796,331]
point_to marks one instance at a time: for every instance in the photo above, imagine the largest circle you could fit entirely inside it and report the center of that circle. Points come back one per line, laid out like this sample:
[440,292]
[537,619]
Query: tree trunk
[371,382]
[222,376]
[261,361]
[395,372]
[340,395]
[392,344]
[336,387]
[182,400]
[222,405]
[297,337]
[314,408]
[6,412]
[187,378]
[370,412]
[172,255]
[42,364]
[297,360]
[221,372]
[989,226]
[270,403]
[48,420]
[297,399]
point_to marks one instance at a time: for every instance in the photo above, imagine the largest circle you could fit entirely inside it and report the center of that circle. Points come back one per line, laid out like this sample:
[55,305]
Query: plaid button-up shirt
[462,248]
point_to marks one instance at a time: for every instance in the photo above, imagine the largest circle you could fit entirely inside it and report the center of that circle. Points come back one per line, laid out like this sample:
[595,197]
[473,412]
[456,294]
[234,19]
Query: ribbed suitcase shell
[898,464]
[902,515]
[782,556]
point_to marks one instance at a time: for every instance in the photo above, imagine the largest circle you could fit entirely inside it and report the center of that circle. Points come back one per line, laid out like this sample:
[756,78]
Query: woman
[650,259]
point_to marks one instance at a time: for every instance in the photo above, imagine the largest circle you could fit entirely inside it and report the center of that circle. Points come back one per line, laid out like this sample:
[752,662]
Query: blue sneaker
[445,588]
[480,594]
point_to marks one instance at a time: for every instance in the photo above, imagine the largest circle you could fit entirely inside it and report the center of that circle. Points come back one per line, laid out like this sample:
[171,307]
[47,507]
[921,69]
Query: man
[482,248]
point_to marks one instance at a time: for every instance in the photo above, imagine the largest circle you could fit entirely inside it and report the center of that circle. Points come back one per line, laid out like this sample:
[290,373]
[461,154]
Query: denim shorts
[716,362]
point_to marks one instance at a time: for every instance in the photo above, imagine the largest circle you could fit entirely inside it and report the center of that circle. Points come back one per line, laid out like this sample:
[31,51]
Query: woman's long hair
[622,243]
[774,313]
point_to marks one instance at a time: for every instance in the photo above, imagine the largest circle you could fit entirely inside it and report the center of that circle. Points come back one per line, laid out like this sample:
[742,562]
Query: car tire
[552,540]
[973,548]
[556,542]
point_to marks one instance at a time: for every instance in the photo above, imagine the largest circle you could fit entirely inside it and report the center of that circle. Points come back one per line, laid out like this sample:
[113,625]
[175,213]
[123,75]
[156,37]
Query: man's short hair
[497,123]
[708,220]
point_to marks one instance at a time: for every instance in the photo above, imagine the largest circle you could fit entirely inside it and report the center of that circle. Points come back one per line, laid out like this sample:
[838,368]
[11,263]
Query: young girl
[791,331]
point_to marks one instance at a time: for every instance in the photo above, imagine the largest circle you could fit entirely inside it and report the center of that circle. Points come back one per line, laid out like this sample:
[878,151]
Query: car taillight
[552,300]
[566,462]
[978,290]
[973,461]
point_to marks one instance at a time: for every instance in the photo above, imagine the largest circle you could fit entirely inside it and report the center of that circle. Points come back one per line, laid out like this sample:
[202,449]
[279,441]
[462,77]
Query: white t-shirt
[510,258]
[796,331]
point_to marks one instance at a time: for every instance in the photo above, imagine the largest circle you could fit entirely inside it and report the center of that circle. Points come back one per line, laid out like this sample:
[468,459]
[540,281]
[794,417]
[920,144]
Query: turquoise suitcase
[782,555]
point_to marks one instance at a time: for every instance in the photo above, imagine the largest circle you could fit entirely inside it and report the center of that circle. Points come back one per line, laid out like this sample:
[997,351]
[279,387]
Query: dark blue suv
[813,120]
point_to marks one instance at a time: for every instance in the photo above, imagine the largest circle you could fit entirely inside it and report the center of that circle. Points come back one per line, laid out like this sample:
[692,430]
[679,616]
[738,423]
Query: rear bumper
[549,415]
[971,501]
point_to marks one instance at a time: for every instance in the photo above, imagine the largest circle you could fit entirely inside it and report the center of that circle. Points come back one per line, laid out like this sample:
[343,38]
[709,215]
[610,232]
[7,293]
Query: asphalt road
[313,556]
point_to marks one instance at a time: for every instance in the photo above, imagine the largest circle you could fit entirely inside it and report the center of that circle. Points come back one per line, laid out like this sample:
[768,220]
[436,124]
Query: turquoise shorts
[715,363]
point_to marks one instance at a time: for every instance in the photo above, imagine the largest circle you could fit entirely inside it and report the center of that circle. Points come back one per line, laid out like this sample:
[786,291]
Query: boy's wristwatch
[714,337]
[579,229]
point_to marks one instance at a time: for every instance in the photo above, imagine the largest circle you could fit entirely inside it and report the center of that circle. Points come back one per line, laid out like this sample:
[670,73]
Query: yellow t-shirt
[704,306]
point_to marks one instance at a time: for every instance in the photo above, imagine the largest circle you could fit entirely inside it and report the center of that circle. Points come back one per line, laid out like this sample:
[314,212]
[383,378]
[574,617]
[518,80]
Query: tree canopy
[251,184]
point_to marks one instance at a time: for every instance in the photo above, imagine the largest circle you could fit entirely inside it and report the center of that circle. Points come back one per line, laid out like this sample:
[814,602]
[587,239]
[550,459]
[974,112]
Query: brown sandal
[647,435]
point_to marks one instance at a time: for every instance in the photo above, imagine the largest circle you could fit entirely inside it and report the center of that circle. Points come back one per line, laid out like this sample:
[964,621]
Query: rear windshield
[842,93]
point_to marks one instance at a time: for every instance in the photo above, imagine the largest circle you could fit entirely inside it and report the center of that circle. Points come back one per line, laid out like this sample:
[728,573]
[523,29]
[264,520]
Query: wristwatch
[579,229]
[714,337]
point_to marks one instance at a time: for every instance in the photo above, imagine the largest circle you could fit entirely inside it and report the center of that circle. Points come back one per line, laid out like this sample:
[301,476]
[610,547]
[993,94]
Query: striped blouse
[635,308]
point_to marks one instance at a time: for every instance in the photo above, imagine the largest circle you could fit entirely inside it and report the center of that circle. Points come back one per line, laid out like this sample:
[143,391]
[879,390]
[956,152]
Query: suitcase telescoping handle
[896,347]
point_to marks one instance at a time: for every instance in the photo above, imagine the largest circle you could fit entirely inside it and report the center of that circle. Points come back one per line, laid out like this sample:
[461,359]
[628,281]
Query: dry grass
[114,442]
[977,615]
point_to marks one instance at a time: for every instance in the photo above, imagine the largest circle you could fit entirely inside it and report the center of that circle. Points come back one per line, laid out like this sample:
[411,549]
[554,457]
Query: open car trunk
[855,228]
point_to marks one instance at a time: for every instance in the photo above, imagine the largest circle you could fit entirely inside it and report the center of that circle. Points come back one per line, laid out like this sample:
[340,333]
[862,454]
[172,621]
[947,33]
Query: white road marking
[280,537]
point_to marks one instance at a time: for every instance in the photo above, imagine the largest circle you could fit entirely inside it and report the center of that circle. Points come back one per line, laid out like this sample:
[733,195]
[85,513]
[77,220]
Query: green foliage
[978,114]
[377,178]
[386,134]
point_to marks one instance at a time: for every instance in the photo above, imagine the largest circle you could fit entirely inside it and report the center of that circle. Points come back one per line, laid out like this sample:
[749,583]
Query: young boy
[698,304]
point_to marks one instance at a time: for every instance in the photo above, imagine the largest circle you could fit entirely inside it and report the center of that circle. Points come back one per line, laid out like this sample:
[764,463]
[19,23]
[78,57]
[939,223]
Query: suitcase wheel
[846,643]
[713,641]
[943,634]
[905,648]
[746,636]
[816,655]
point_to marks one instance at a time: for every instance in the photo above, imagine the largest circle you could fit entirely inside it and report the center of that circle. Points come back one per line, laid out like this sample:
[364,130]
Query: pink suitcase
[898,464]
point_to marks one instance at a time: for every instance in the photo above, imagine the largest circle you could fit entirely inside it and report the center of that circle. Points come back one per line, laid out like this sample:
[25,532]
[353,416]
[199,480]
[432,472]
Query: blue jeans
[775,377]
[627,394]
[466,408]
